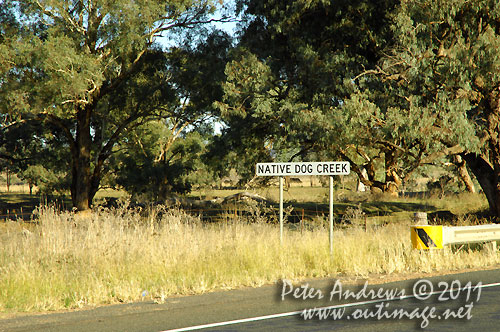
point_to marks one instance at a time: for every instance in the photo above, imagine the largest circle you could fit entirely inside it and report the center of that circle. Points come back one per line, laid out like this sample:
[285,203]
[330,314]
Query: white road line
[293,313]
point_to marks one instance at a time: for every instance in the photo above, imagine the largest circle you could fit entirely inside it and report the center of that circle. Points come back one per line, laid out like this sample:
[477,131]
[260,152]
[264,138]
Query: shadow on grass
[307,211]
[20,206]
[370,209]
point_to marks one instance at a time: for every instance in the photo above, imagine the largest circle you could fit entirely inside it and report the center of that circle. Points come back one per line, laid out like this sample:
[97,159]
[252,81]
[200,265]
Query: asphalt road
[398,306]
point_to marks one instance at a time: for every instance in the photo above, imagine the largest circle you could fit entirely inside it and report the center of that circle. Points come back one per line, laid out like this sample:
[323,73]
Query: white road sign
[303,168]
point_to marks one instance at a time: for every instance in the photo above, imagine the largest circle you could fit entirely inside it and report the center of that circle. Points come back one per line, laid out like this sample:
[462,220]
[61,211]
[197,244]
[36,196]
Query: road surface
[457,302]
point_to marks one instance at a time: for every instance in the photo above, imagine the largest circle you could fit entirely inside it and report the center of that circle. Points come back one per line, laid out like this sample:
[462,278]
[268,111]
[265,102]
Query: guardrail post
[420,218]
[427,237]
[491,246]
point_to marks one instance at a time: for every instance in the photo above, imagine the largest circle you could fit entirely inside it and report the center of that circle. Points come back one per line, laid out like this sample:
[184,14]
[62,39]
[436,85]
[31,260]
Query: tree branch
[456,149]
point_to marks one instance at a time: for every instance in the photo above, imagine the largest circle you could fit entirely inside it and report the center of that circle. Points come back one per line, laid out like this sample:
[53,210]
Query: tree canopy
[89,69]
[446,63]
[389,85]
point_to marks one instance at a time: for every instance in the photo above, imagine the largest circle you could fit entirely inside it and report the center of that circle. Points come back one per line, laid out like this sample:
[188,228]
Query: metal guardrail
[471,234]
[435,237]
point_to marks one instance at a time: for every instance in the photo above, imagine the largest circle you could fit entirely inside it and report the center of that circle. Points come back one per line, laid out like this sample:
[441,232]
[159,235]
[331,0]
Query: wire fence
[205,214]
[15,215]
[294,215]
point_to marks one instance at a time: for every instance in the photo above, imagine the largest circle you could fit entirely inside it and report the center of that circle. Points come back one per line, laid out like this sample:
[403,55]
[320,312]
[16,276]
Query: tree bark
[361,187]
[464,174]
[485,175]
[8,180]
[494,145]
[81,174]
[486,167]
[392,179]
[391,183]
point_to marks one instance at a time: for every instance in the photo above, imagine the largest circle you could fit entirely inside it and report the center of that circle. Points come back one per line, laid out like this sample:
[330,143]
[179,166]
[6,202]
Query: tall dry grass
[68,261]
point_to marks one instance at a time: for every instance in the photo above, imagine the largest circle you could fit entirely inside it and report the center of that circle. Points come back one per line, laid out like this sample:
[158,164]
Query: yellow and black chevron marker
[427,237]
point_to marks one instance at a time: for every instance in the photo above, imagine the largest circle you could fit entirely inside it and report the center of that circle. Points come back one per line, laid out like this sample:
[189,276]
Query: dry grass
[300,194]
[70,261]
[15,188]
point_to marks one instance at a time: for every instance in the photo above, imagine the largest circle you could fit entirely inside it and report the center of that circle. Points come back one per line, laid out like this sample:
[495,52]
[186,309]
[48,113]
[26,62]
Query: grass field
[362,207]
[111,256]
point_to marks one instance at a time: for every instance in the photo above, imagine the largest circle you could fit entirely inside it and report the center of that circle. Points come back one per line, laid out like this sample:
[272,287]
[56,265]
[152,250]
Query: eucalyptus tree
[161,157]
[145,169]
[72,63]
[445,67]
[366,81]
[293,74]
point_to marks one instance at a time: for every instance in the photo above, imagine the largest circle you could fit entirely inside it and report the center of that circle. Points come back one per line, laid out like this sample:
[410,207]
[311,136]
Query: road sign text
[303,168]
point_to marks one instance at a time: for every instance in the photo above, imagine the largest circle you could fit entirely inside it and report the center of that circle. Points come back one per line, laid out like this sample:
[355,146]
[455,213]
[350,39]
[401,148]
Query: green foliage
[288,86]
[388,85]
[37,154]
[384,84]
[446,65]
[447,62]
[153,165]
[47,181]
[92,70]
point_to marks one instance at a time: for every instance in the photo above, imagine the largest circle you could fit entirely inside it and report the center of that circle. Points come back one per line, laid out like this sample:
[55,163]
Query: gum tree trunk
[464,174]
[485,175]
[81,173]
[486,166]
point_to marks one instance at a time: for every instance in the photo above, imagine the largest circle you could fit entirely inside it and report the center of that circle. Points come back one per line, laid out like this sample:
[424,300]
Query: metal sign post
[281,210]
[327,168]
[331,215]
